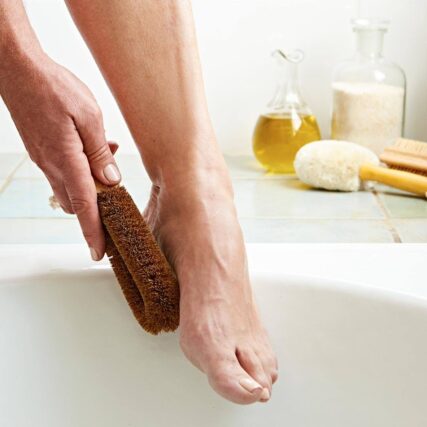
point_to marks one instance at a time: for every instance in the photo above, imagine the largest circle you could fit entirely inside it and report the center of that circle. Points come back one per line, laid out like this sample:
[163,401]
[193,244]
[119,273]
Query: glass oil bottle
[288,123]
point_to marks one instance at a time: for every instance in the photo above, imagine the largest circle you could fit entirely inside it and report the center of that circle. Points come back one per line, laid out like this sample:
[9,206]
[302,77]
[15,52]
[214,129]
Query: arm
[58,119]
[17,39]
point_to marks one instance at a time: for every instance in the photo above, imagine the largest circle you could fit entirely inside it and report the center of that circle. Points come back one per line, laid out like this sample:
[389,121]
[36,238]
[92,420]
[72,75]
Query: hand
[62,128]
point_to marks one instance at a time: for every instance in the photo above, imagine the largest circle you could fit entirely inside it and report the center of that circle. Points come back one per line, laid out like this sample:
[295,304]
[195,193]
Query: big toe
[231,381]
[253,365]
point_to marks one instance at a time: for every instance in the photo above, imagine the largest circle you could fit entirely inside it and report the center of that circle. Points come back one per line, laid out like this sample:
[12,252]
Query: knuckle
[89,235]
[80,205]
[93,113]
[98,154]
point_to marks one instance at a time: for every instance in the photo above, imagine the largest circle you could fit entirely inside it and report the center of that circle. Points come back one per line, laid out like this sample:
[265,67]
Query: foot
[220,329]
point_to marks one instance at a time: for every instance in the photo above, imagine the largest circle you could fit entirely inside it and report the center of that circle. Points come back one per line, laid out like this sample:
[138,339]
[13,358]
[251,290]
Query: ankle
[198,174]
[193,157]
[199,182]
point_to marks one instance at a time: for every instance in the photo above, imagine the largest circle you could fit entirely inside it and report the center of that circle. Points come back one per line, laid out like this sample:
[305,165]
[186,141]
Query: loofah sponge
[146,278]
[332,165]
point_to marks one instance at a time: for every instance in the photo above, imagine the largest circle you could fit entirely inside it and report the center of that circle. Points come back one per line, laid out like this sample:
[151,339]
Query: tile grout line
[393,231]
[9,178]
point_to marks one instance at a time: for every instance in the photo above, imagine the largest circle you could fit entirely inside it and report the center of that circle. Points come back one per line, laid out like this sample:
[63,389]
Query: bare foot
[220,330]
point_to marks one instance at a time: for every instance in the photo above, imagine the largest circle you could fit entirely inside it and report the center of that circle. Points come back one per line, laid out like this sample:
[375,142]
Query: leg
[147,52]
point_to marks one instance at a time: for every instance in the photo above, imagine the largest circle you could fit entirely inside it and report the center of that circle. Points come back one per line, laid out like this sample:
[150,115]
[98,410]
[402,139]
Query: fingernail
[250,385]
[265,395]
[94,254]
[112,173]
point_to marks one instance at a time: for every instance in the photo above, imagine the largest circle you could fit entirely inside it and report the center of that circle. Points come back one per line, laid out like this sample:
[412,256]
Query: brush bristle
[406,155]
[138,263]
[411,170]
[410,146]
[125,279]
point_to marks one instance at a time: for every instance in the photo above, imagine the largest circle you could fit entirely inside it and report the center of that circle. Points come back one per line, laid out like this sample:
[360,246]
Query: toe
[252,364]
[232,382]
[267,357]
[269,363]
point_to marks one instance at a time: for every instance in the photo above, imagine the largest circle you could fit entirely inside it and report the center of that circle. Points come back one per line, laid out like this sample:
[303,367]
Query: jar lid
[370,24]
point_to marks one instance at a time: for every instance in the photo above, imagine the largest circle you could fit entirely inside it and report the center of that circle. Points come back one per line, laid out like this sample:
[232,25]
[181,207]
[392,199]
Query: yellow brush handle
[406,181]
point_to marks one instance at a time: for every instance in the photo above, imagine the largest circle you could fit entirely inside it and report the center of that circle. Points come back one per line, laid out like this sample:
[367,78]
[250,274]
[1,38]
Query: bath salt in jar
[368,92]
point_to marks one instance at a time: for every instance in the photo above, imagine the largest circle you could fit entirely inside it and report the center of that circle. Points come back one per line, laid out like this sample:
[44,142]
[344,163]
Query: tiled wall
[235,38]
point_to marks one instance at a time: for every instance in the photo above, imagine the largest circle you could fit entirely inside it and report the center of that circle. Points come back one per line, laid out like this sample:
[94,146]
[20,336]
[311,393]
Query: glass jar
[368,92]
[288,123]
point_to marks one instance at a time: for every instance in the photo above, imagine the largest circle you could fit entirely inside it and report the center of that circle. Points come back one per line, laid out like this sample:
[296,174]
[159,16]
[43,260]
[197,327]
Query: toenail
[265,395]
[250,385]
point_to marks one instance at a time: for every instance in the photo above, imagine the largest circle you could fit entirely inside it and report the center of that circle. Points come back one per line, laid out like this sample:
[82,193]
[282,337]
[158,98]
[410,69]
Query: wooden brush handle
[405,181]
[102,187]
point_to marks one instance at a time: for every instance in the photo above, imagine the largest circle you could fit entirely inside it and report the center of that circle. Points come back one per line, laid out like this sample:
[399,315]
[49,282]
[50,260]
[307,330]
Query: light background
[235,39]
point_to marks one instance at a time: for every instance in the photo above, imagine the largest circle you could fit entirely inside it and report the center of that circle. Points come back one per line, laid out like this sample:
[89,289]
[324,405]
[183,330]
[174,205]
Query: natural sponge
[333,165]
[146,278]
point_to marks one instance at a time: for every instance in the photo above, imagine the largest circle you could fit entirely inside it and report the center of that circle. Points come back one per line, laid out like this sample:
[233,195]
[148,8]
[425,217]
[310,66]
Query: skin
[191,209]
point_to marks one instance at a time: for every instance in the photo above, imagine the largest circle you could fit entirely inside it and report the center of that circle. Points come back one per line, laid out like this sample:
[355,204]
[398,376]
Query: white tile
[291,199]
[8,163]
[411,230]
[28,198]
[404,205]
[28,170]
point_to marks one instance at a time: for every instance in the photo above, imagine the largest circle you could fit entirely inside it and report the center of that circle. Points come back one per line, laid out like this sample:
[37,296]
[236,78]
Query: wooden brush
[407,155]
[146,278]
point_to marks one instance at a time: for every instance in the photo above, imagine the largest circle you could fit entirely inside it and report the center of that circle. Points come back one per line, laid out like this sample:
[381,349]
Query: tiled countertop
[271,208]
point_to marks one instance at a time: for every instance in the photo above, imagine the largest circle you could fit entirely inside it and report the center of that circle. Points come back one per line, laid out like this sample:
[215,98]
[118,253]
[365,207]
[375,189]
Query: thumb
[99,152]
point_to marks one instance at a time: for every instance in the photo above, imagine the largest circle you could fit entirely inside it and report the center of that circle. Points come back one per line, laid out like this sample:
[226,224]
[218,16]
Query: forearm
[147,52]
[18,42]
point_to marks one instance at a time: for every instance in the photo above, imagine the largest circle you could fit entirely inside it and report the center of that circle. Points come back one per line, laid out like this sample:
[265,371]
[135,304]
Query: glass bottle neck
[287,96]
[290,84]
[370,43]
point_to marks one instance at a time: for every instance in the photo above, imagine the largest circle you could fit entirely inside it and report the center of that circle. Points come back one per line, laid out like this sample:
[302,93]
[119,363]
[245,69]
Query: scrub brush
[343,166]
[407,155]
[146,278]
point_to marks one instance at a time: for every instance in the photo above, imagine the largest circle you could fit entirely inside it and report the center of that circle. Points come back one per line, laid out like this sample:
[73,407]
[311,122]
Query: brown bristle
[125,279]
[138,263]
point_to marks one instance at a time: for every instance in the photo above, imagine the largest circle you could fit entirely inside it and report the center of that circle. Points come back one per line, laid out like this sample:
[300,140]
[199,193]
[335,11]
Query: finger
[81,191]
[102,164]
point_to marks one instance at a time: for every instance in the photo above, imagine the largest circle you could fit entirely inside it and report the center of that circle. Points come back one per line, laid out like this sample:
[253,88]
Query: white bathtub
[71,354]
